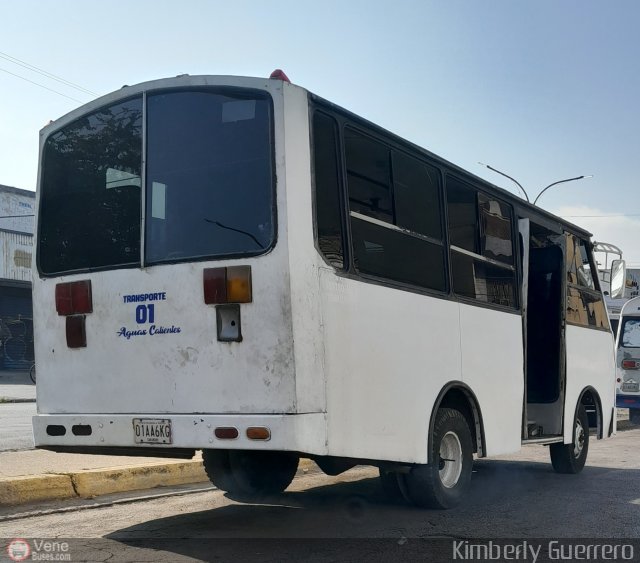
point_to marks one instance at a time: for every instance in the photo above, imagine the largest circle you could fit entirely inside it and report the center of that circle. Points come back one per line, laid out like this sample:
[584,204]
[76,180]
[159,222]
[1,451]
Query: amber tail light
[227,285]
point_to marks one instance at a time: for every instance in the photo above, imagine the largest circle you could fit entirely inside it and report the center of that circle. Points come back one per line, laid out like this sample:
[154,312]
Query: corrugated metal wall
[16,314]
[17,250]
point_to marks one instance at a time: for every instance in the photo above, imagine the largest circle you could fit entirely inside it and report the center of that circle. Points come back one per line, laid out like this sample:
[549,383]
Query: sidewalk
[16,387]
[38,475]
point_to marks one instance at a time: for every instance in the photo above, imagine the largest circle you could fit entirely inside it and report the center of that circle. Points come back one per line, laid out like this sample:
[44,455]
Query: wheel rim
[450,460]
[578,439]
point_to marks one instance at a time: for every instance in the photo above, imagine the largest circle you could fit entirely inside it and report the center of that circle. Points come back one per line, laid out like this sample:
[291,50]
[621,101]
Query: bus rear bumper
[97,433]
[627,401]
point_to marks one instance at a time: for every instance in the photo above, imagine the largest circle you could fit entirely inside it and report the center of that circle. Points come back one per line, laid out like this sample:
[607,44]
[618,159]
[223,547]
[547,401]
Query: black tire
[389,481]
[634,416]
[262,472]
[570,458]
[32,373]
[218,469]
[444,482]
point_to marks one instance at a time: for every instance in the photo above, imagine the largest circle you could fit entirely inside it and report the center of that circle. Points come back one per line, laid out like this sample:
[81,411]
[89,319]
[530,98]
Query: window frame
[343,117]
[515,267]
[346,248]
[394,146]
[596,291]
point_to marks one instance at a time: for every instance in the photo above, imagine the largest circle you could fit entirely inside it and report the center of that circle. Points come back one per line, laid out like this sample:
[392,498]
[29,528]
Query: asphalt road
[348,518]
[15,426]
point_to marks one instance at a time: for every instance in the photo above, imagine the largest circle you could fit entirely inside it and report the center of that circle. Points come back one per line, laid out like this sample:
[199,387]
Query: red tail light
[214,281]
[74,298]
[76,332]
[630,364]
[226,433]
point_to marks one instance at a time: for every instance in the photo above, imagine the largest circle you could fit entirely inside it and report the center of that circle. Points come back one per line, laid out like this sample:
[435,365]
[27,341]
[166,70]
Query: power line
[41,85]
[33,68]
[604,216]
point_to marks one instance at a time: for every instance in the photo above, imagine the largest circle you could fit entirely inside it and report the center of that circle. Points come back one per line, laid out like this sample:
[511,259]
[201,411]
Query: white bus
[239,266]
[628,360]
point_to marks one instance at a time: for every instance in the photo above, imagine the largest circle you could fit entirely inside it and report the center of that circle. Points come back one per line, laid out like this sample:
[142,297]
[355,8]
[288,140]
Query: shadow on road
[509,499]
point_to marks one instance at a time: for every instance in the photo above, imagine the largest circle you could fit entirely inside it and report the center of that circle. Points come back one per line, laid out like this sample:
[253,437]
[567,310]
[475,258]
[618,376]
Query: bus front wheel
[444,482]
[570,458]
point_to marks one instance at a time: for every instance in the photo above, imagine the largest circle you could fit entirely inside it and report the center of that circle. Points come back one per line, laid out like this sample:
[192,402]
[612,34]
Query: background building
[17,208]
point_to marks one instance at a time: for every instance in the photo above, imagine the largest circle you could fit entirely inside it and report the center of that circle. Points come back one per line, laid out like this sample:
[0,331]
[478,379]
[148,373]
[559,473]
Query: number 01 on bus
[238,266]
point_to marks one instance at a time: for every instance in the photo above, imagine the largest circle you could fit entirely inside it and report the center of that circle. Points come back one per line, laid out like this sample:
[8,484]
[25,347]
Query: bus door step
[534,430]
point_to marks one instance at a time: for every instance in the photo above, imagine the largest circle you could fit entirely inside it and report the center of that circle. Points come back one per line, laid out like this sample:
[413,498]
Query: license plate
[152,430]
[630,387]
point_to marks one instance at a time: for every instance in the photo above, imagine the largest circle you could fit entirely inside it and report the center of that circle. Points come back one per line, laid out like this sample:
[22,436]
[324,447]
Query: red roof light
[279,74]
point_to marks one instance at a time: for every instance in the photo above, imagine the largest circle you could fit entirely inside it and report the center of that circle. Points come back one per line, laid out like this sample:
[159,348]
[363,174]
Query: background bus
[609,257]
[628,360]
[236,265]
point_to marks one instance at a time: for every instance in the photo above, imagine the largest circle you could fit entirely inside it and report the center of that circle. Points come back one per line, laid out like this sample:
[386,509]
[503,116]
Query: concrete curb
[95,482]
[6,400]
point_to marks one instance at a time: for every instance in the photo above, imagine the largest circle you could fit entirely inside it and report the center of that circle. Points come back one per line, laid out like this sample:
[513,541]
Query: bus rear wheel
[570,458]
[218,469]
[444,482]
[249,472]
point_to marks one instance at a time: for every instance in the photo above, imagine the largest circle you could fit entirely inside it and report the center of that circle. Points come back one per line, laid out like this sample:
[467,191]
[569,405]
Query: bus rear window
[209,182]
[209,175]
[90,192]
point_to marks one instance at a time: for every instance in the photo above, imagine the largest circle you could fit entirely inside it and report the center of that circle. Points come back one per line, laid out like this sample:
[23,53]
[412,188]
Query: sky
[543,90]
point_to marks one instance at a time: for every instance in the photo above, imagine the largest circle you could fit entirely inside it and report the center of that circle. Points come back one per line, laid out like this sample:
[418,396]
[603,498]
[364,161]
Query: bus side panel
[388,353]
[303,257]
[590,362]
[492,367]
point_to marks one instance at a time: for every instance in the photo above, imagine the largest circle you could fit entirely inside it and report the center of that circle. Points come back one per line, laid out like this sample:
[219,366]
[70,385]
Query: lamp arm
[510,178]
[555,183]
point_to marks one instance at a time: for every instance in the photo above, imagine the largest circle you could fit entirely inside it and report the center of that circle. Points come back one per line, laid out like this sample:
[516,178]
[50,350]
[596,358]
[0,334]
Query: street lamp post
[544,190]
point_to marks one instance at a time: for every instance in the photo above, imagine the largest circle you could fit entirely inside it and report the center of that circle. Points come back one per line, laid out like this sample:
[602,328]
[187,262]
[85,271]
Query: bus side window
[327,190]
[480,235]
[394,208]
[585,306]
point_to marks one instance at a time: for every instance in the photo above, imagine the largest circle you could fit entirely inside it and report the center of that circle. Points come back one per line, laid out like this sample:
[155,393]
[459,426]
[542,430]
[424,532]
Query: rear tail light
[258,433]
[74,298]
[76,331]
[227,285]
[630,364]
[226,433]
